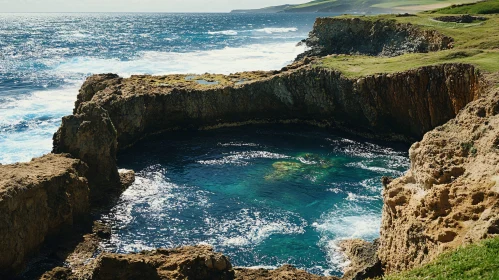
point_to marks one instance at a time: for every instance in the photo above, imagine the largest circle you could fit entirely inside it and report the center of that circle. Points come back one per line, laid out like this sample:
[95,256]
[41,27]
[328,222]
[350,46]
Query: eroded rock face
[372,37]
[38,199]
[450,196]
[286,272]
[89,135]
[400,105]
[363,257]
[199,262]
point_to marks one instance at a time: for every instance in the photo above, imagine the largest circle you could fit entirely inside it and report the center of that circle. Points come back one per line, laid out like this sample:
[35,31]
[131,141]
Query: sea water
[264,196]
[44,59]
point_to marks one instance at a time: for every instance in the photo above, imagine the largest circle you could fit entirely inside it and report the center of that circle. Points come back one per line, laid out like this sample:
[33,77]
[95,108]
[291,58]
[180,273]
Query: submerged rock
[310,164]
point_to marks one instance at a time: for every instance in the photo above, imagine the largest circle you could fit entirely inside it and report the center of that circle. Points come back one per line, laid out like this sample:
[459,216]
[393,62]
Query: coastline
[437,103]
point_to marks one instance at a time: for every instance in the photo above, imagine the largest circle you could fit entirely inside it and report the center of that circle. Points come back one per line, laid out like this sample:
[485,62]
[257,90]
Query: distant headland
[357,6]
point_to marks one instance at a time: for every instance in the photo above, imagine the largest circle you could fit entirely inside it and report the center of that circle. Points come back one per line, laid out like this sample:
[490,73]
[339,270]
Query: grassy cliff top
[478,261]
[485,7]
[475,43]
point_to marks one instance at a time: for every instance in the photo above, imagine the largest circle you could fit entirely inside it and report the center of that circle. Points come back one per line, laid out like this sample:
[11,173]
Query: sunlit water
[44,59]
[265,195]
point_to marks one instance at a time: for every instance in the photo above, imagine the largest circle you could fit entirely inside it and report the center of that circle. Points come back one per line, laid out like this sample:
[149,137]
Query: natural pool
[263,195]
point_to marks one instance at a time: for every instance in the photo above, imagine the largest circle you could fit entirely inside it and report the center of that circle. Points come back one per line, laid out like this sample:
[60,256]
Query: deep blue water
[44,58]
[264,195]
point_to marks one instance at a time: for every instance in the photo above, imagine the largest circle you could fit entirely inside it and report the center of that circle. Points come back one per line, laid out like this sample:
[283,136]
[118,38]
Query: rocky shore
[448,198]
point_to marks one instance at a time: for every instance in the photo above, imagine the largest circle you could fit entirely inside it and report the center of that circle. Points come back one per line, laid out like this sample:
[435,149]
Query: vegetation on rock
[477,261]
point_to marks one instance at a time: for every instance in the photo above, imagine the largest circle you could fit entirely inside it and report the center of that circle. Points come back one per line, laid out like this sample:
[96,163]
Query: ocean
[263,195]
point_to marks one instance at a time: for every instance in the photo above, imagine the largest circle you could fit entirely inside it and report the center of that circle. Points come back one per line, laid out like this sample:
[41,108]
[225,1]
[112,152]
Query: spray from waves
[27,125]
[268,31]
[223,61]
[346,221]
[224,32]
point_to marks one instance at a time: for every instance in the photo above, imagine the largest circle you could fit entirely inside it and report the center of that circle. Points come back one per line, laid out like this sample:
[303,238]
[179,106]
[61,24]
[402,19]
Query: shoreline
[452,107]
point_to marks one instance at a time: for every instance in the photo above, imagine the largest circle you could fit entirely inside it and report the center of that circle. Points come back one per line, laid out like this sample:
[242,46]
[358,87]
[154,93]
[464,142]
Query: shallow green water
[264,195]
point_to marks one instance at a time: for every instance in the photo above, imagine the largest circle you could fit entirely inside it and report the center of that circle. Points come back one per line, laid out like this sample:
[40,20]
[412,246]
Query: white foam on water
[223,61]
[27,125]
[271,30]
[358,197]
[224,32]
[242,158]
[345,221]
[250,227]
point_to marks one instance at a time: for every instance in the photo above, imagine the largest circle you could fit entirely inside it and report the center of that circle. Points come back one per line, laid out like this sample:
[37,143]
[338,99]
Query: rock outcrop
[286,272]
[450,196]
[90,136]
[372,37]
[363,257]
[38,199]
[183,263]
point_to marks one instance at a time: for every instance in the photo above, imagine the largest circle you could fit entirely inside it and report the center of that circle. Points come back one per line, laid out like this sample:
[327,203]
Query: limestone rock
[199,262]
[38,199]
[90,136]
[368,37]
[286,272]
[363,257]
[450,196]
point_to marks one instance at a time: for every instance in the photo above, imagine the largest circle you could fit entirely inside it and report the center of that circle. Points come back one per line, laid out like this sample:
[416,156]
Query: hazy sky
[136,5]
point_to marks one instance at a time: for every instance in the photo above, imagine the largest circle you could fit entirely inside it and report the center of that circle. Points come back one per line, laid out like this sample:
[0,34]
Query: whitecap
[271,30]
[224,32]
[224,61]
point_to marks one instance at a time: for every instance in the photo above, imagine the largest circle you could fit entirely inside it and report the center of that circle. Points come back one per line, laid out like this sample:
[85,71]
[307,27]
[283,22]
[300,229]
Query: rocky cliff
[114,113]
[38,199]
[450,196]
[372,37]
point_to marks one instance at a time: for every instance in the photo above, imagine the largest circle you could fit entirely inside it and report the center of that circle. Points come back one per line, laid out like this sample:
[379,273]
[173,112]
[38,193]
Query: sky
[172,6]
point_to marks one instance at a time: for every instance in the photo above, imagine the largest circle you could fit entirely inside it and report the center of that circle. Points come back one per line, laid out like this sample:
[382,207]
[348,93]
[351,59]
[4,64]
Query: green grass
[404,3]
[366,4]
[475,43]
[485,7]
[478,261]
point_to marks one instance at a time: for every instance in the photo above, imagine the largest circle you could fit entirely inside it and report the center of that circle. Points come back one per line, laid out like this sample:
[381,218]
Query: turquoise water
[263,195]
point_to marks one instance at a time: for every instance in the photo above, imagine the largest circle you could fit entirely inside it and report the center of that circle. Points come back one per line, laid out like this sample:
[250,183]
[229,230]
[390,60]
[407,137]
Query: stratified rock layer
[372,37]
[38,199]
[450,196]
